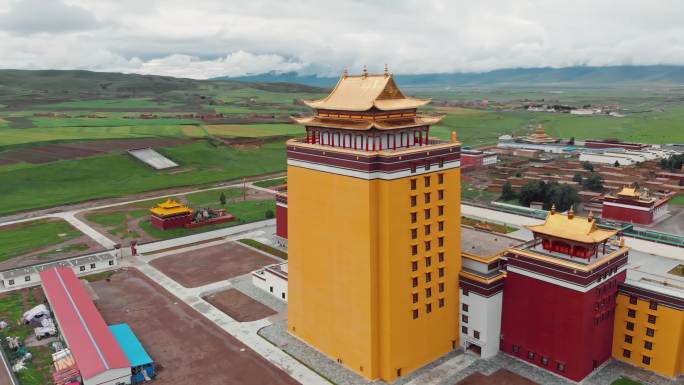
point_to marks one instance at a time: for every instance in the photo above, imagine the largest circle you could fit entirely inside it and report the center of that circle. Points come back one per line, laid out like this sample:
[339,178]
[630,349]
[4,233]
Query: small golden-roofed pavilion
[368,111]
[573,228]
[540,136]
[170,208]
[629,192]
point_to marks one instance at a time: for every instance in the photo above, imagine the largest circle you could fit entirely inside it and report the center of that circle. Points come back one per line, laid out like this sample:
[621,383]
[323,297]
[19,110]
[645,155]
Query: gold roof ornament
[622,241]
[386,70]
[365,71]
[454,139]
[571,213]
[591,215]
[572,227]
[553,208]
[364,92]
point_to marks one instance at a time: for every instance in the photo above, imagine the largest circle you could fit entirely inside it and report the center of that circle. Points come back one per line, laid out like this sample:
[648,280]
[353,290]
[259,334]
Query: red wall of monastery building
[170,223]
[564,325]
[627,215]
[471,160]
[281,221]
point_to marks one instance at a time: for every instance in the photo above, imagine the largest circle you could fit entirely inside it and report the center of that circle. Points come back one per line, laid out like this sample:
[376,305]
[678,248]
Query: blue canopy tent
[142,368]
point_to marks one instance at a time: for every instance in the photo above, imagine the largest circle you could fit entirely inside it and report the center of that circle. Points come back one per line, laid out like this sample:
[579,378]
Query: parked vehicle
[44,332]
[36,314]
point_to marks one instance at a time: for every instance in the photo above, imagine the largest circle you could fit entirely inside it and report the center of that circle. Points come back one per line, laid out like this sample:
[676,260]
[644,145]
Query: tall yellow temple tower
[374,230]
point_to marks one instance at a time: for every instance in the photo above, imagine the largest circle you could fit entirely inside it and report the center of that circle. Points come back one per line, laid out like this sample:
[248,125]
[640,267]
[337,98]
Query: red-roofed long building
[98,355]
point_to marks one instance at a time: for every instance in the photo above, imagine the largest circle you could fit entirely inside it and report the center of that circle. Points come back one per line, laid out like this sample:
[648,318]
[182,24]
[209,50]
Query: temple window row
[369,141]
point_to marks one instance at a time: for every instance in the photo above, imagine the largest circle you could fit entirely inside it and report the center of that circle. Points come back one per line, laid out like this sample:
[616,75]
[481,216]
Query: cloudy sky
[208,38]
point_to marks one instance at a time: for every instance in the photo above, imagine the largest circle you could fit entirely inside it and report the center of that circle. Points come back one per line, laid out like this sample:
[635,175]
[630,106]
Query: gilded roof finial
[622,241]
[591,215]
[386,70]
[365,71]
[571,213]
[345,73]
[553,208]
[453,137]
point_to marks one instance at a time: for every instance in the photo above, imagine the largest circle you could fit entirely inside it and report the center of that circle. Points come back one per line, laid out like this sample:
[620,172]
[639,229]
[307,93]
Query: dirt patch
[239,306]
[77,150]
[189,348]
[20,122]
[211,264]
[501,376]
[77,246]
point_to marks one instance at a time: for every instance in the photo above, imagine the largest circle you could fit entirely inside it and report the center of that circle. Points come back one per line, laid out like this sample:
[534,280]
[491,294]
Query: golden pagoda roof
[629,192]
[363,92]
[170,207]
[368,124]
[540,136]
[572,227]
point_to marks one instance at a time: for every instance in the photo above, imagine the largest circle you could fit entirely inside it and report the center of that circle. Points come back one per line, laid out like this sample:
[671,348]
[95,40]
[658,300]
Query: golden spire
[622,241]
[345,73]
[553,208]
[571,213]
[591,215]
[365,71]
[453,137]
[386,70]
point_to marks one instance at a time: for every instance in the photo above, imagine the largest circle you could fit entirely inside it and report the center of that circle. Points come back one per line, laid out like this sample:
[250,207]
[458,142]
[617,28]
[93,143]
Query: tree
[507,192]
[588,166]
[616,164]
[269,214]
[518,174]
[673,162]
[222,198]
[533,191]
[563,196]
[571,142]
[594,182]
[578,178]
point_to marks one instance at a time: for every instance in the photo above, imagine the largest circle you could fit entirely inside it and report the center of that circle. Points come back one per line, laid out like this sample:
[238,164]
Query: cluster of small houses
[610,109]
[62,115]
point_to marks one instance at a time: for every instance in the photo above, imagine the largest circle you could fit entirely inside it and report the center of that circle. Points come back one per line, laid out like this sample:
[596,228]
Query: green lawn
[210,199]
[29,236]
[12,306]
[677,200]
[626,381]
[266,248]
[118,174]
[469,192]
[108,103]
[244,212]
[107,218]
[254,130]
[271,182]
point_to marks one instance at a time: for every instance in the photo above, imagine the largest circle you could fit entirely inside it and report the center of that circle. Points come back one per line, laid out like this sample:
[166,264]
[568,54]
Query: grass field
[677,200]
[266,248]
[108,103]
[254,130]
[625,381]
[271,182]
[29,236]
[118,174]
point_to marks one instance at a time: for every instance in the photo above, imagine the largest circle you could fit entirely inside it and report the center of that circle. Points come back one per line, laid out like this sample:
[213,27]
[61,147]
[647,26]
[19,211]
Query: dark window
[415,313]
[633,299]
[440,256]
[428,245]
[414,265]
[440,178]
[414,297]
[441,302]
[413,184]
[651,319]
[441,287]
[82,268]
[646,360]
[427,164]
[440,226]
[440,241]
[27,278]
[440,210]
[530,355]
[648,345]
[427,197]
[516,349]
[414,233]
[653,305]
[10,282]
[428,308]
[631,313]
[441,162]
[630,326]
[414,281]
[560,366]
[440,194]
[464,318]
[413,167]
[650,332]
[427,229]
[282,295]
[426,180]
[465,292]
[414,249]
[414,217]
[476,334]
[111,263]
[92,265]
[440,272]
[399,372]
[464,306]
[426,213]
[271,289]
[628,338]
[428,292]
[414,200]
[626,353]
[464,329]
[428,277]
[544,360]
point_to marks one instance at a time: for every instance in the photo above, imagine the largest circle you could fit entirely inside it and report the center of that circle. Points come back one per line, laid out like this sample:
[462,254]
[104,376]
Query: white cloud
[212,38]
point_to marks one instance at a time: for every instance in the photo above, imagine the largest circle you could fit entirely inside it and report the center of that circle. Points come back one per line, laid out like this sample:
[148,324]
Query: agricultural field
[40,241]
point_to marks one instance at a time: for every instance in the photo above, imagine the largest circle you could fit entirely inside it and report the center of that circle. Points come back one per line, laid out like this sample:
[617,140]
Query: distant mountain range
[664,75]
